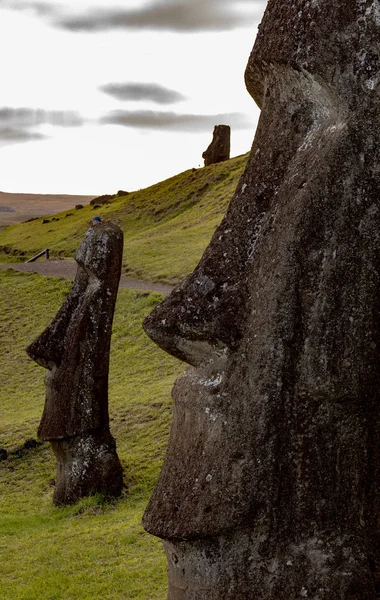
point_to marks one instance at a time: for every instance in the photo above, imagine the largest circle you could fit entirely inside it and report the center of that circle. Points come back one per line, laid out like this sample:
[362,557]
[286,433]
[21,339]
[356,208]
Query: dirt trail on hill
[67,269]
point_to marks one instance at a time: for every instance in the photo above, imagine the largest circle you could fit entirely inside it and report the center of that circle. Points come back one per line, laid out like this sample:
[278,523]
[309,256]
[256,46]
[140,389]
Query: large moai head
[75,348]
[219,149]
[271,483]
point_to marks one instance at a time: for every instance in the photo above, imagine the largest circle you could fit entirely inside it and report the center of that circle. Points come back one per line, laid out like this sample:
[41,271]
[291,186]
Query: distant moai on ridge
[75,348]
[219,149]
[270,488]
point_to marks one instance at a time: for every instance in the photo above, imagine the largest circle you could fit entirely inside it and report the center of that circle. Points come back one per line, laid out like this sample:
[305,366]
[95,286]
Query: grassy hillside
[96,550]
[166,226]
[93,549]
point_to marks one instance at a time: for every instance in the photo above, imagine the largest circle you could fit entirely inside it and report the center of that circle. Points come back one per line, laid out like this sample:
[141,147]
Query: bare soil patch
[26,206]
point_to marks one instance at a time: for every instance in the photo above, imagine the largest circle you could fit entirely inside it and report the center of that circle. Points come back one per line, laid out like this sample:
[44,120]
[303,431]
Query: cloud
[40,8]
[168,15]
[170,121]
[9,135]
[159,15]
[33,117]
[142,91]
[17,124]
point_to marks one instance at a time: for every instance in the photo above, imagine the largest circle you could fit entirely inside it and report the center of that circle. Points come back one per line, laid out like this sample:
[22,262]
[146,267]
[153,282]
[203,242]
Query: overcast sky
[101,96]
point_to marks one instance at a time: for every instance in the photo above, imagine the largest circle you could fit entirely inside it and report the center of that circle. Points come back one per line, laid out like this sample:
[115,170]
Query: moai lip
[271,483]
[75,348]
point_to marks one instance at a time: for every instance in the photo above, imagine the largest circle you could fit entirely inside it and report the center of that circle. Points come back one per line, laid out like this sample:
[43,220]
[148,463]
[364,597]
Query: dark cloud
[170,121]
[24,118]
[164,15]
[142,91]
[168,15]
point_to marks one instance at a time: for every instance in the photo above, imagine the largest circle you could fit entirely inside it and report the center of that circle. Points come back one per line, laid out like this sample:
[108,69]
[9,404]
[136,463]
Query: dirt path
[67,269]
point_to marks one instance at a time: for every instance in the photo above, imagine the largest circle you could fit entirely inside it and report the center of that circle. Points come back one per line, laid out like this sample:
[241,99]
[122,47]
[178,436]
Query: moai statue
[75,349]
[219,149]
[270,488]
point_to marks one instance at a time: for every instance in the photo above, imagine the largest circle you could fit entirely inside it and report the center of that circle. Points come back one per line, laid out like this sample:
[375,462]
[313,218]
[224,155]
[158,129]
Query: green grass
[158,223]
[92,549]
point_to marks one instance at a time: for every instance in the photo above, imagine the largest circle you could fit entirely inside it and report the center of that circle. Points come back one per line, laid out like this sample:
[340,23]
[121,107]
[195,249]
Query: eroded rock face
[219,149]
[271,482]
[75,349]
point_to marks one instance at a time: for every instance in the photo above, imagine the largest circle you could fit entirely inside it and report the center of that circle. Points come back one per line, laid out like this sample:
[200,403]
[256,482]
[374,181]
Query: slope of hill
[96,550]
[166,226]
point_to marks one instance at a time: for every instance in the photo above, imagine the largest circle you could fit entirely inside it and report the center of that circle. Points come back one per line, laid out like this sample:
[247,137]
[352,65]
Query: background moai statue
[219,149]
[271,483]
[75,349]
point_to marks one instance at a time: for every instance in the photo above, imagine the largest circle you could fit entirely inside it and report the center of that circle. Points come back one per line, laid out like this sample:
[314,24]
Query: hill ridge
[159,223]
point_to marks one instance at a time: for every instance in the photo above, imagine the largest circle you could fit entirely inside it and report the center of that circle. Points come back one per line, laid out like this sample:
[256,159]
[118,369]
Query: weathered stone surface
[86,464]
[219,149]
[271,483]
[75,349]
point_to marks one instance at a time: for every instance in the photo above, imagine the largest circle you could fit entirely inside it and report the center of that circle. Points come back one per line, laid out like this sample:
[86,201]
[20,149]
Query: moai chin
[75,349]
[271,483]
[219,149]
